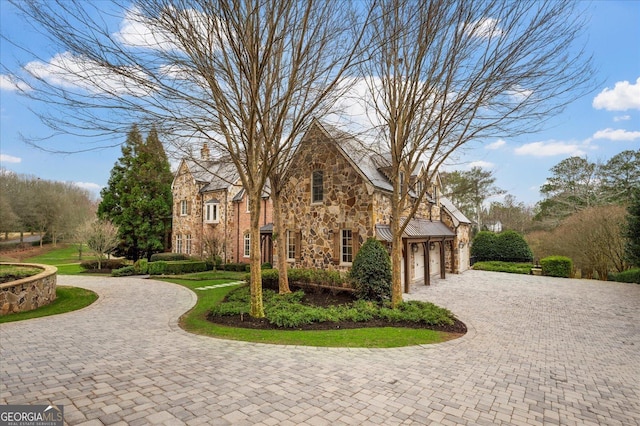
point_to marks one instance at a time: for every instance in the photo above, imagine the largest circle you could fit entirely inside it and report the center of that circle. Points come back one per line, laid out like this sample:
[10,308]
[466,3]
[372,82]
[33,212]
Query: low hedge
[557,266]
[237,267]
[176,267]
[167,257]
[124,272]
[112,264]
[301,276]
[628,276]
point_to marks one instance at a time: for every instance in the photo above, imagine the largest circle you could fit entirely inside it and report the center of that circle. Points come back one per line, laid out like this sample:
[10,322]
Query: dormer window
[212,211]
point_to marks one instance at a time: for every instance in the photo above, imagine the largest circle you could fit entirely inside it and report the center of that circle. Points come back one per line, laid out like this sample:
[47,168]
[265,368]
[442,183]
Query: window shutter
[337,255]
[188,207]
[298,242]
[178,208]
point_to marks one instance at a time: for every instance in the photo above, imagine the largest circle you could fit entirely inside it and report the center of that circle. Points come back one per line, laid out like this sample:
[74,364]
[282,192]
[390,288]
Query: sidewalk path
[539,351]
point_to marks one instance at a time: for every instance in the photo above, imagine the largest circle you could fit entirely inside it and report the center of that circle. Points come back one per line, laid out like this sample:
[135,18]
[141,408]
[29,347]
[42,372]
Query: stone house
[337,196]
[211,215]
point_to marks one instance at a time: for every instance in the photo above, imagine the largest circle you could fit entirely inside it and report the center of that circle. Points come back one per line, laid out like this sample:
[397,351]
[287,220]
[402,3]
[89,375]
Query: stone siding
[347,204]
[28,293]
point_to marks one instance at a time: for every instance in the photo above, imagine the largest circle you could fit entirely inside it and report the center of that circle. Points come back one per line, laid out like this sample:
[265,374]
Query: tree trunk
[257,308]
[396,255]
[280,238]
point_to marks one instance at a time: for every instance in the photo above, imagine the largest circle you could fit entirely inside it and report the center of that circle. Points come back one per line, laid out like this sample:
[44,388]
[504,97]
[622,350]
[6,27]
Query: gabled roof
[417,228]
[213,175]
[375,167]
[454,212]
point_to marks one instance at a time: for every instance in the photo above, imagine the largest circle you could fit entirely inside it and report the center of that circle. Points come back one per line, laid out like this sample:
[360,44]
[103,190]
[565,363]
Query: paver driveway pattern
[539,351]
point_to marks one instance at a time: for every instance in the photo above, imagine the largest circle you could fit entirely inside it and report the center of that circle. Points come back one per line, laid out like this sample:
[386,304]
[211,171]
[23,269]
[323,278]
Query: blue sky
[598,126]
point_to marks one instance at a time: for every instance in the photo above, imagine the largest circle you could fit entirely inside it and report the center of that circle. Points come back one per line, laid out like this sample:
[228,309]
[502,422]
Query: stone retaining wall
[28,293]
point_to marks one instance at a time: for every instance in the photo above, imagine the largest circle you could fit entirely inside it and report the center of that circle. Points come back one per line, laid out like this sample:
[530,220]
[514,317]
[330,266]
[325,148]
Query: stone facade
[333,202]
[29,293]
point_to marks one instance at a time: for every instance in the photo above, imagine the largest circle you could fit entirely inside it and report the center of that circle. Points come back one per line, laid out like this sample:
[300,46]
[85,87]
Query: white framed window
[317,186]
[212,212]
[184,208]
[247,244]
[346,246]
[188,244]
[291,245]
[178,243]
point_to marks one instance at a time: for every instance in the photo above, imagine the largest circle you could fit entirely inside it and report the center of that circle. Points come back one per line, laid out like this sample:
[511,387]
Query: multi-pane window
[184,208]
[317,186]
[291,245]
[178,243]
[211,212]
[247,244]
[346,246]
[188,244]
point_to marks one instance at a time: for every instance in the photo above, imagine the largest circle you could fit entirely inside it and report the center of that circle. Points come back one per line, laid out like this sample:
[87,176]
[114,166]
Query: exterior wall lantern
[432,246]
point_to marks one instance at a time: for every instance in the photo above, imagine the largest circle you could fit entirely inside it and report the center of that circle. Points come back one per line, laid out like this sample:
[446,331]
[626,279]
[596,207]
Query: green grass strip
[67,299]
[195,321]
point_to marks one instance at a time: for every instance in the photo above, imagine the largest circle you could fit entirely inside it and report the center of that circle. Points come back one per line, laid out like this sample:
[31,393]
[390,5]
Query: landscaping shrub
[124,272]
[106,264]
[237,267]
[301,277]
[288,311]
[371,272]
[557,266]
[141,266]
[485,246]
[168,257]
[266,265]
[512,247]
[185,267]
[628,276]
[157,268]
[499,266]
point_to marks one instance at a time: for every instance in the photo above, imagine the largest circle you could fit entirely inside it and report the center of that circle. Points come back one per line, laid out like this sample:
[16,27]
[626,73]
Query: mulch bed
[325,299]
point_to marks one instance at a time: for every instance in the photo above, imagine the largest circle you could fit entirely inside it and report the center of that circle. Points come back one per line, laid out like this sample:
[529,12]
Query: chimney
[204,152]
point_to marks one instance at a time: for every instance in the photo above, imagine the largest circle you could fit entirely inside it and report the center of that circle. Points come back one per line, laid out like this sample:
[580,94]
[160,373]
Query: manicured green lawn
[65,258]
[67,299]
[195,321]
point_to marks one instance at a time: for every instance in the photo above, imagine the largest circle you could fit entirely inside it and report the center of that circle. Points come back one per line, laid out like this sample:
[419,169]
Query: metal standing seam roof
[417,228]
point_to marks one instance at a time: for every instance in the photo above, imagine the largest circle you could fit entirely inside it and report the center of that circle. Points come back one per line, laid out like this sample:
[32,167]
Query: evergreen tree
[633,229]
[138,196]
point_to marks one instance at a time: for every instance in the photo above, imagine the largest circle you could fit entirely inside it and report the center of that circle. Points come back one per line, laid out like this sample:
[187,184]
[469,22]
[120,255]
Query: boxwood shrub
[124,272]
[507,246]
[177,267]
[90,265]
[485,246]
[302,277]
[557,266]
[371,272]
[628,276]
[168,257]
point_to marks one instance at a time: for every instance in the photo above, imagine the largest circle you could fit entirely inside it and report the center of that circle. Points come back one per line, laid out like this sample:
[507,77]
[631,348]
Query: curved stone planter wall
[28,293]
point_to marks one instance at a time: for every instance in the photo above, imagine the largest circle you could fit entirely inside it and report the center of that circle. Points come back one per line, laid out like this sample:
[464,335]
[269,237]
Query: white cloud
[484,28]
[519,94]
[617,135]
[69,71]
[622,97]
[481,164]
[496,145]
[4,158]
[552,148]
[622,118]
[11,85]
[89,186]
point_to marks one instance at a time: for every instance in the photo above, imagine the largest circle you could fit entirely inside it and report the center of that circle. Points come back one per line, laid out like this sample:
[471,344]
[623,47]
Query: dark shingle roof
[417,228]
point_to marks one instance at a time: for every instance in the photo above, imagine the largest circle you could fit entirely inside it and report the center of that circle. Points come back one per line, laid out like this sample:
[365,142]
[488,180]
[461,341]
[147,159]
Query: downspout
[226,213]
[237,231]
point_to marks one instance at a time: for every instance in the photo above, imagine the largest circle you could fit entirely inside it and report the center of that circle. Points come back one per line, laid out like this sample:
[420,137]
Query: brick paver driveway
[539,351]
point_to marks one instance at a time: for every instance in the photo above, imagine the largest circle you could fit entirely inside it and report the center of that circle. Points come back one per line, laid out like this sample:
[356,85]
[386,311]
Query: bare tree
[101,236]
[444,73]
[246,76]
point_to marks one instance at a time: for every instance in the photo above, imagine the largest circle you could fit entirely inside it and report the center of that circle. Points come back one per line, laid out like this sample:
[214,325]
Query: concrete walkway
[539,351]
